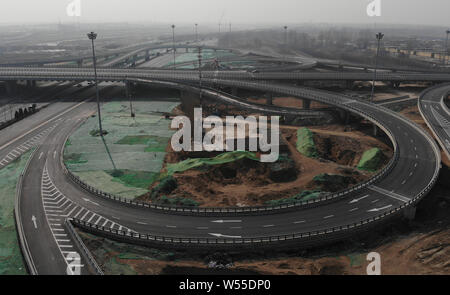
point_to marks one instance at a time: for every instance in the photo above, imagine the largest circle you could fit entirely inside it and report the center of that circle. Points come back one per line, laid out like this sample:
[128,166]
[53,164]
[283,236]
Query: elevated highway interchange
[47,192]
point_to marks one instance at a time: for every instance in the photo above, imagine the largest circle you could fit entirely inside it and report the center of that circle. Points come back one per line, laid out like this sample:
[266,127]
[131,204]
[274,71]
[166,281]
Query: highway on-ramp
[436,114]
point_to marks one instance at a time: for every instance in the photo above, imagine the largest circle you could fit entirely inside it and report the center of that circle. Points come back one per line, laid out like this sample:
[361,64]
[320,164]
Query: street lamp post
[196,33]
[379,38]
[173,42]
[200,71]
[285,41]
[285,37]
[446,48]
[92,36]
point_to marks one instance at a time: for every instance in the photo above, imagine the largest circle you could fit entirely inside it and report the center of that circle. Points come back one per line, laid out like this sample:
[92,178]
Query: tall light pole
[92,36]
[196,32]
[379,38]
[446,48]
[173,42]
[200,71]
[285,36]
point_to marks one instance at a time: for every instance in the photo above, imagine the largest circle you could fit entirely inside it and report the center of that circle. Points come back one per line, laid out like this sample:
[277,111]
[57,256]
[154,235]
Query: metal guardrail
[220,211]
[85,251]
[31,267]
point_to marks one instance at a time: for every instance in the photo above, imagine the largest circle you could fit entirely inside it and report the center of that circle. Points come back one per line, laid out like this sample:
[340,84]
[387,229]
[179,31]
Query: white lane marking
[98,220]
[329,216]
[171,226]
[389,194]
[89,221]
[40,155]
[89,201]
[140,222]
[299,221]
[33,219]
[226,221]
[379,209]
[269,225]
[236,227]
[354,209]
[358,199]
[224,236]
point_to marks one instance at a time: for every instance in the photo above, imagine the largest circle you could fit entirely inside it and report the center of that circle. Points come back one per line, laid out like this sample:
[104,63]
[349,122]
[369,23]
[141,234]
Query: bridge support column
[80,63]
[350,84]
[189,101]
[375,130]
[147,55]
[306,104]
[269,100]
[31,83]
[409,213]
[11,87]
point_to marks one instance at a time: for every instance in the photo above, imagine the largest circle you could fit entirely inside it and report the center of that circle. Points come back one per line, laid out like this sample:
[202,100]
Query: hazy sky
[420,12]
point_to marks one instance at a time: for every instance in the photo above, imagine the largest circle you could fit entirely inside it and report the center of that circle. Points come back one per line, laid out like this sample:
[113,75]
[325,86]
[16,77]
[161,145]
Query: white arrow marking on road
[87,200]
[379,209]
[40,156]
[226,221]
[357,200]
[225,236]
[33,218]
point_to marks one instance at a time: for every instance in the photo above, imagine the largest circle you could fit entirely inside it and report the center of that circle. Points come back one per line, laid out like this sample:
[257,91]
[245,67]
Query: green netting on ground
[10,255]
[305,143]
[135,139]
[371,160]
[139,179]
[206,54]
[104,181]
[218,160]
[132,144]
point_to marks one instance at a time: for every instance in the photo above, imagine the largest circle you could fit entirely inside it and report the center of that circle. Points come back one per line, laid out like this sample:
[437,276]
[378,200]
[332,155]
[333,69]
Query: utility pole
[285,37]
[173,42]
[196,33]
[200,71]
[285,41]
[446,48]
[92,36]
[379,38]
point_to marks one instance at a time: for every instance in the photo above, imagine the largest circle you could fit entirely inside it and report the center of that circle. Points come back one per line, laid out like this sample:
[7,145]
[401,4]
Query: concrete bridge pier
[147,55]
[350,84]
[269,99]
[189,101]
[409,213]
[31,83]
[234,91]
[375,130]
[306,104]
[80,63]
[11,87]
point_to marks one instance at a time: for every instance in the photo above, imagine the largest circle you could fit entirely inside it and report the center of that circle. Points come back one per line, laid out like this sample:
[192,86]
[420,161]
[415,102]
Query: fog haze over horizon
[213,12]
